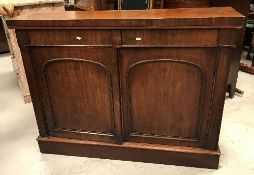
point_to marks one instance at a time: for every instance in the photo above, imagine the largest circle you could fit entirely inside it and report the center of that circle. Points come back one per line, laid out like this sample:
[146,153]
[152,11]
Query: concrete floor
[19,152]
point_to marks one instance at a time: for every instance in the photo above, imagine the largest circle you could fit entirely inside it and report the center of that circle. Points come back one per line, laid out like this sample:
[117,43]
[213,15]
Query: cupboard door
[167,94]
[80,91]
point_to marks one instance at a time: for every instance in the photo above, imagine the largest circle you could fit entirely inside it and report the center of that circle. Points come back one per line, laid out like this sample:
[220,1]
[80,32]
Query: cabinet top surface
[138,18]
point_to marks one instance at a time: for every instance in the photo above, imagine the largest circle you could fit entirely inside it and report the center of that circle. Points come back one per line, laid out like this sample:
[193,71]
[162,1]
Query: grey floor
[19,152]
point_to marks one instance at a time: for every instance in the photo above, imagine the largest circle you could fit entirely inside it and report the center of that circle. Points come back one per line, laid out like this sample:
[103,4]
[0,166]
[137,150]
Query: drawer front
[70,37]
[178,38]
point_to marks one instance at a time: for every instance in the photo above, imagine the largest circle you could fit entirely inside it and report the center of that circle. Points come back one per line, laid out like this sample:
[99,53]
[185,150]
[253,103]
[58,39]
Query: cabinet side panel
[219,99]
[33,86]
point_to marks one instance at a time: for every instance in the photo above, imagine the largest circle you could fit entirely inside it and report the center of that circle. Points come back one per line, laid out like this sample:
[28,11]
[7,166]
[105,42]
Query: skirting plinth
[138,152]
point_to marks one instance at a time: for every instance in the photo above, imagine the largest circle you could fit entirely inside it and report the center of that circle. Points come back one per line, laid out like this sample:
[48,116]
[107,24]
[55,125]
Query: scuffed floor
[19,152]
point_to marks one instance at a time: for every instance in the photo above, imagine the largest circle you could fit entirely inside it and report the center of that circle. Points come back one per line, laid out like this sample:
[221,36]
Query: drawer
[178,38]
[70,37]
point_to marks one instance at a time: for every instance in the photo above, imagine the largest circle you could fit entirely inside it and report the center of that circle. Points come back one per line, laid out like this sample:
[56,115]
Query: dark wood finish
[185,3]
[223,18]
[99,4]
[218,97]
[130,88]
[178,38]
[240,6]
[246,68]
[243,7]
[3,41]
[67,37]
[158,4]
[129,151]
[155,82]
[79,89]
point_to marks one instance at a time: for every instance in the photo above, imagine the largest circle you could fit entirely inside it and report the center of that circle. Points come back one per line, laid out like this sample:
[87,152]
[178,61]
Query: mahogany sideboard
[132,85]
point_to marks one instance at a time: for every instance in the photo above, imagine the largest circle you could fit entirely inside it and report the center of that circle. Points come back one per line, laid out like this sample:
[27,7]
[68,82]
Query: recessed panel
[79,94]
[165,98]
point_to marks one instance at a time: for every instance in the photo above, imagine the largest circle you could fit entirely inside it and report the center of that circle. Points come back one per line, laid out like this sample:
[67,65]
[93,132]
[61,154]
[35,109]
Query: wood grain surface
[142,85]
[162,17]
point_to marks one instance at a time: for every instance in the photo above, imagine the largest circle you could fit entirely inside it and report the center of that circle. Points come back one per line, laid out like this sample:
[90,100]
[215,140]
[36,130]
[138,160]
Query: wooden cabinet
[134,85]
